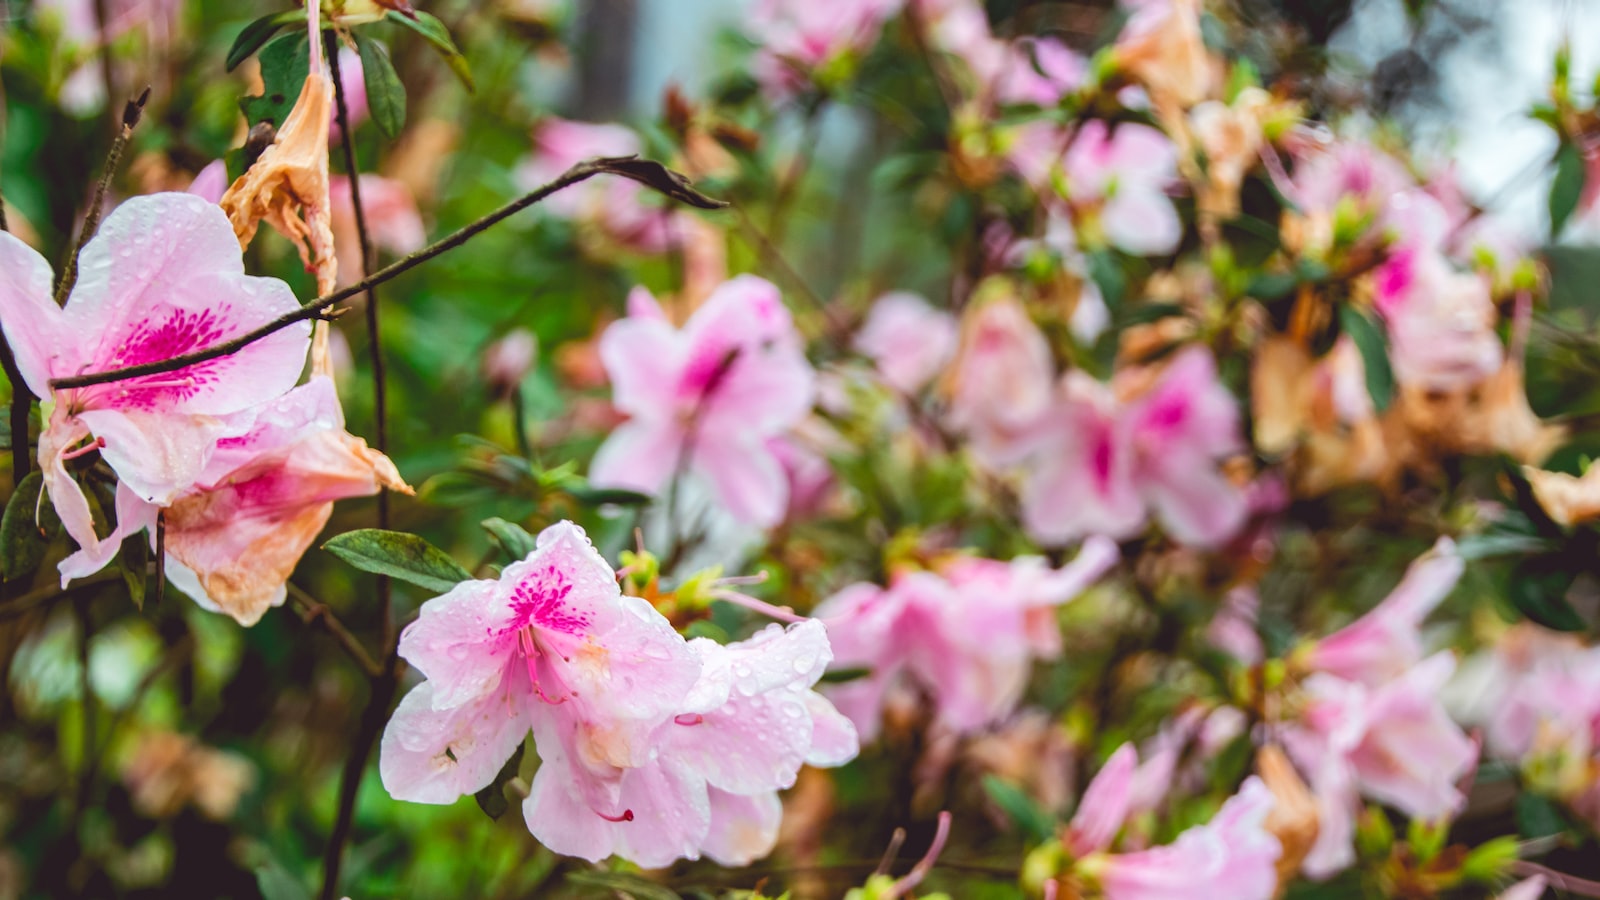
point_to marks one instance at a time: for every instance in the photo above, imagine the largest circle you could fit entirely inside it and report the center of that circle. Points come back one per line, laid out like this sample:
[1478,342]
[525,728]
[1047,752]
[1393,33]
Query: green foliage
[398,555]
[438,37]
[386,96]
[257,33]
[1566,188]
[27,528]
[1372,340]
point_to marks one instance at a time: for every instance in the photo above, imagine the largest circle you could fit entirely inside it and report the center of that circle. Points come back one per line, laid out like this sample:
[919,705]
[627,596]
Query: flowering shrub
[957,449]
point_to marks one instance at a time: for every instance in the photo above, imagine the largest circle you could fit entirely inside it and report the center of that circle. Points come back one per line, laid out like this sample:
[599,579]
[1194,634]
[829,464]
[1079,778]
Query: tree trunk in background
[606,32]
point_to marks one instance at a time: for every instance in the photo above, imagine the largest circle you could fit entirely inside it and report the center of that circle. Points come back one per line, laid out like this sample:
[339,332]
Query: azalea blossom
[1441,322]
[909,340]
[552,645]
[1101,466]
[615,206]
[162,277]
[968,634]
[233,540]
[797,37]
[1001,381]
[652,748]
[707,397]
[711,786]
[1233,855]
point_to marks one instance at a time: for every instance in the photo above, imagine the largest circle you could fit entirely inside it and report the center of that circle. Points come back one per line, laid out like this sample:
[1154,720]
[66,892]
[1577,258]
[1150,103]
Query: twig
[646,172]
[380,396]
[50,592]
[21,402]
[774,258]
[1561,881]
[314,611]
[372,719]
[131,112]
[87,764]
[161,557]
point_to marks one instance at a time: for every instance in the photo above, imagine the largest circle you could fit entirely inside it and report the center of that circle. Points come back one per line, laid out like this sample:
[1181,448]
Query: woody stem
[131,111]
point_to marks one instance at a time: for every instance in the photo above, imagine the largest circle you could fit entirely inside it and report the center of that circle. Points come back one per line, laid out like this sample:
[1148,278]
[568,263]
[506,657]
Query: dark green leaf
[836,676]
[1499,543]
[284,65]
[134,561]
[512,538]
[386,96]
[1107,275]
[625,884]
[1566,188]
[438,35]
[258,33]
[492,799]
[398,555]
[654,175]
[23,538]
[601,496]
[1373,341]
[1034,821]
[1538,589]
[1538,816]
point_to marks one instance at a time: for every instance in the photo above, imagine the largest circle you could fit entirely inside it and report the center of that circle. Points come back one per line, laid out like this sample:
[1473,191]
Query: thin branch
[49,592]
[314,611]
[21,402]
[131,112]
[775,258]
[1561,881]
[373,717]
[161,557]
[380,396]
[87,764]
[646,172]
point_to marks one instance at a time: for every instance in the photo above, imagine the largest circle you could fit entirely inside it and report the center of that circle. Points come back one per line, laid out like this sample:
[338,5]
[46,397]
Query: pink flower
[1100,466]
[1441,321]
[509,360]
[1233,628]
[706,397]
[739,737]
[353,83]
[1349,169]
[393,221]
[1233,855]
[164,276]
[1002,383]
[235,538]
[909,340]
[1123,172]
[1384,643]
[1040,71]
[616,206]
[798,37]
[811,479]
[968,635]
[1393,742]
[552,646]
[210,182]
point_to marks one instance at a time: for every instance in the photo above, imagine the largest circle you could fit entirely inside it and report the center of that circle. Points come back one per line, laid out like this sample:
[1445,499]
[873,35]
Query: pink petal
[158,456]
[34,326]
[436,756]
[1105,804]
[743,829]
[456,643]
[643,358]
[640,455]
[749,482]
[1142,221]
[1195,503]
[834,741]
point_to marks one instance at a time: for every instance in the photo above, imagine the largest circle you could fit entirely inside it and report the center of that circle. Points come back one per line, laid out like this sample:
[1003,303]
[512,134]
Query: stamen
[689,719]
[152,385]
[925,864]
[530,656]
[627,816]
[96,444]
[781,613]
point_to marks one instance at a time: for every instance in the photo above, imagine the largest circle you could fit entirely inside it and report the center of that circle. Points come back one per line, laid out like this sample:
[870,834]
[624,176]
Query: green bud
[1491,861]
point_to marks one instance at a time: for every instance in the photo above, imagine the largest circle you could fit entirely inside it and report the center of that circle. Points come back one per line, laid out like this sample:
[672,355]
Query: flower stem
[131,111]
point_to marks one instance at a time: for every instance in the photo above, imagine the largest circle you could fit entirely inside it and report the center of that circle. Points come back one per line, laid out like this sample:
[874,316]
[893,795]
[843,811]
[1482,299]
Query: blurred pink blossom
[1123,172]
[706,398]
[968,635]
[797,37]
[1101,466]
[1002,381]
[616,206]
[163,276]
[909,340]
[210,182]
[393,221]
[1441,321]
[1232,856]
[1384,643]
[509,360]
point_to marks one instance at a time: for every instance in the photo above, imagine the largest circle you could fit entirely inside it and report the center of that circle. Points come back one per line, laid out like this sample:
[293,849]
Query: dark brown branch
[131,112]
[646,172]
[373,717]
[314,611]
[161,557]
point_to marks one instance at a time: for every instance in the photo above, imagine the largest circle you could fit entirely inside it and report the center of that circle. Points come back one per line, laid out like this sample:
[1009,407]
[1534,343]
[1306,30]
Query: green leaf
[398,555]
[284,65]
[1538,816]
[602,496]
[134,561]
[1373,341]
[1538,589]
[1108,276]
[257,33]
[1034,821]
[839,676]
[492,799]
[386,96]
[1566,188]
[625,884]
[438,35]
[23,541]
[1493,544]
[512,538]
